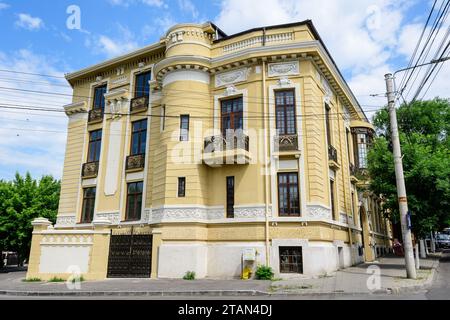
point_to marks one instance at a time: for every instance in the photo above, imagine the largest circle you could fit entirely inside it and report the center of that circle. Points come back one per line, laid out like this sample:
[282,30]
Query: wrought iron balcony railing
[135,162]
[332,154]
[90,170]
[221,143]
[286,142]
[139,104]
[95,115]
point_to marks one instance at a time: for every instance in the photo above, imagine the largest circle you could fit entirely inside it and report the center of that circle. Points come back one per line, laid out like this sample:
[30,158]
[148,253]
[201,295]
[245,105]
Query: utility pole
[400,179]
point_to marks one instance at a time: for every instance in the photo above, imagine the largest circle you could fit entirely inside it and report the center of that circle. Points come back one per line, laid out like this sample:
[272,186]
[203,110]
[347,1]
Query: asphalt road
[440,290]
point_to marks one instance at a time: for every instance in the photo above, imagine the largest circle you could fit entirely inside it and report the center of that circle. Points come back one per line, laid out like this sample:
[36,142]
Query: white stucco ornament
[283,69]
[227,78]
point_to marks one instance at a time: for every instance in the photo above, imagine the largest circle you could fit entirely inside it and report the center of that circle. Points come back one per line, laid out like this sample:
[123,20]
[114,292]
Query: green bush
[264,273]
[32,280]
[77,279]
[56,279]
[190,275]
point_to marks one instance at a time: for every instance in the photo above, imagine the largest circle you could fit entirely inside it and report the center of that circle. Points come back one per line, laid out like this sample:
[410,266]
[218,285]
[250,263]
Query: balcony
[139,104]
[135,162]
[90,170]
[332,157]
[220,150]
[285,143]
[95,115]
[353,172]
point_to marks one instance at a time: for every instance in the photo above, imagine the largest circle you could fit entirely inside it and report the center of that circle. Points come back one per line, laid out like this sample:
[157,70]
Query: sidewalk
[348,281]
[354,280]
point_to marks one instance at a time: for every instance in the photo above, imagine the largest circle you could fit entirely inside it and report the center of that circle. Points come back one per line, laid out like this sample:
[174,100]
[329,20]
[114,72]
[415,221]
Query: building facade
[208,153]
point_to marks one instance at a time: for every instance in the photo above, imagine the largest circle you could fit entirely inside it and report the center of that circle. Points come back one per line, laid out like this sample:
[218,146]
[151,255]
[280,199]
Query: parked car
[443,241]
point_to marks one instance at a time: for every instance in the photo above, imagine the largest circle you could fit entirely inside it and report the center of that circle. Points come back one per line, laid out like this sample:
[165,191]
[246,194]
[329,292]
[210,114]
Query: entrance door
[130,255]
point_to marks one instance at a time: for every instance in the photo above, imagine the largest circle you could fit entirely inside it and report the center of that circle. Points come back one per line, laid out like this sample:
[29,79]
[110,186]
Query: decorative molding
[284,82]
[67,240]
[283,69]
[230,91]
[231,77]
[318,212]
[251,212]
[186,213]
[77,107]
[66,221]
[204,213]
[113,217]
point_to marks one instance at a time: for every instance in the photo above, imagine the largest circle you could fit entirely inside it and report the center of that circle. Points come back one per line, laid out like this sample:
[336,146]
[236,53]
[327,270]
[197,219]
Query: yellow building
[210,153]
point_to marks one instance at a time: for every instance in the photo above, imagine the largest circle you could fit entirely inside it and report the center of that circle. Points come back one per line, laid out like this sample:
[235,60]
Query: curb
[215,293]
[419,287]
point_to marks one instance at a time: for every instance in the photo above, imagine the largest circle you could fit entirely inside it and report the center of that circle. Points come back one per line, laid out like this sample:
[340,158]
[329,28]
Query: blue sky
[367,38]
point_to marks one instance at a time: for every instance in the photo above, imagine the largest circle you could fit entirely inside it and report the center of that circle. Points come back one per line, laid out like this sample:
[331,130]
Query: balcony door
[285,112]
[232,115]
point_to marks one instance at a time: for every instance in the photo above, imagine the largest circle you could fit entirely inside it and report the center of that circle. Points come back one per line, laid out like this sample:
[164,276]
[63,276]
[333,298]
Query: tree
[21,201]
[424,127]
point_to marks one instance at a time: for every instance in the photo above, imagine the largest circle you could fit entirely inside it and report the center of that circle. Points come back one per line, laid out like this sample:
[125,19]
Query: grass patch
[77,279]
[32,280]
[276,279]
[56,279]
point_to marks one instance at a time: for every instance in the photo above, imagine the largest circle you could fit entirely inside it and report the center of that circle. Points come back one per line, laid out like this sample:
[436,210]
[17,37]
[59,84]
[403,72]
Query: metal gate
[130,255]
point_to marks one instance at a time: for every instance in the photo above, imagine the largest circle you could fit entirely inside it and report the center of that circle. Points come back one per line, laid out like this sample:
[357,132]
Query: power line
[417,47]
[436,27]
[33,74]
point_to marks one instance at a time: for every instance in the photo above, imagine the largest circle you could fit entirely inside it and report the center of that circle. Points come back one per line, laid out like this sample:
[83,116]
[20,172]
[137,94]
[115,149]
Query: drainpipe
[266,173]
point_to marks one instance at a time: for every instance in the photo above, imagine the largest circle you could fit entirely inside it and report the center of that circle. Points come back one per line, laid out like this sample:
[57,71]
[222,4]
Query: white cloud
[26,143]
[365,37]
[188,7]
[3,5]
[111,47]
[151,3]
[28,22]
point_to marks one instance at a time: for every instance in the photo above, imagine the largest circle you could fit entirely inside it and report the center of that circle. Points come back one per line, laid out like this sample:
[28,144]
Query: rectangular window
[332,193]
[232,115]
[362,150]
[184,128]
[139,137]
[181,187]
[87,214]
[99,98]
[134,201]
[291,260]
[285,112]
[288,194]
[95,145]
[230,197]
[142,87]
